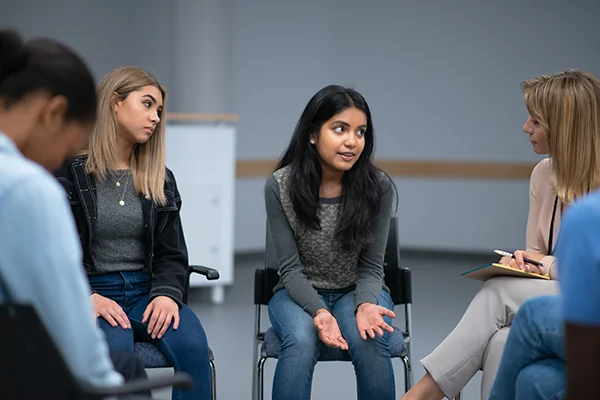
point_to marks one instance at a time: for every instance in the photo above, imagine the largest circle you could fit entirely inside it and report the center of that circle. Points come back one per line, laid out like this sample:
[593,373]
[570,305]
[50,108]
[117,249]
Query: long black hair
[45,65]
[362,186]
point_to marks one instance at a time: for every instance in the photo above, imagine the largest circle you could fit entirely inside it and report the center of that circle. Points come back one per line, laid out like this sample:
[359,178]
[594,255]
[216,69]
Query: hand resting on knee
[110,311]
[329,331]
[369,319]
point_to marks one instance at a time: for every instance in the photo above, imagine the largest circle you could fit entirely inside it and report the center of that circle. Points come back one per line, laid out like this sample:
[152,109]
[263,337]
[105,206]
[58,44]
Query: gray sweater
[118,242]
[309,260]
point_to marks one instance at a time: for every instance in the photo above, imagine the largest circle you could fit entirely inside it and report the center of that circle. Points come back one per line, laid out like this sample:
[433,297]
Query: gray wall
[108,33]
[442,79]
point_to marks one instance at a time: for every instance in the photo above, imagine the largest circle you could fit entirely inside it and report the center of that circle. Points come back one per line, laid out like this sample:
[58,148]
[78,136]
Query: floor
[440,296]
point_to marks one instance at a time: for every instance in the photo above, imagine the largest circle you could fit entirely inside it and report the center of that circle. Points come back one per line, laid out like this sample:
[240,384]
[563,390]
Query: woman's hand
[518,261]
[369,319]
[328,329]
[110,311]
[161,311]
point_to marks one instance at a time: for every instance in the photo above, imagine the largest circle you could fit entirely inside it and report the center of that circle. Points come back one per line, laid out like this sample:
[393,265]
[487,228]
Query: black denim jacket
[166,252]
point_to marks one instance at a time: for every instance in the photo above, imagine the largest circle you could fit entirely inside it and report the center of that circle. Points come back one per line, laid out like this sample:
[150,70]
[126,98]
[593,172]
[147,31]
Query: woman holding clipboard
[562,124]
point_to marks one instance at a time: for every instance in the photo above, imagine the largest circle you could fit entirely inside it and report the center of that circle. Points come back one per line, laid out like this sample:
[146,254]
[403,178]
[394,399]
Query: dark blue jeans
[533,360]
[185,347]
[300,348]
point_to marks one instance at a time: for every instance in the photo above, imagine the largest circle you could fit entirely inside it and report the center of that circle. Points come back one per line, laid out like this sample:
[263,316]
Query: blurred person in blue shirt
[47,110]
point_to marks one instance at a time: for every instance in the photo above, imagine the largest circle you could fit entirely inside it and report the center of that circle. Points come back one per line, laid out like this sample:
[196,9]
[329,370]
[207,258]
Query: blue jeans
[185,347]
[300,348]
[533,360]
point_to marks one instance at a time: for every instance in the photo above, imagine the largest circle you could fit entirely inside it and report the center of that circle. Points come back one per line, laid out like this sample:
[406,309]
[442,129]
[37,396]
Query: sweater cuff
[366,297]
[315,305]
[169,291]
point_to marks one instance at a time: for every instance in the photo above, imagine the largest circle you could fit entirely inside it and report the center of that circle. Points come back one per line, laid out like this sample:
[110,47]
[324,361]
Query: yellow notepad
[492,270]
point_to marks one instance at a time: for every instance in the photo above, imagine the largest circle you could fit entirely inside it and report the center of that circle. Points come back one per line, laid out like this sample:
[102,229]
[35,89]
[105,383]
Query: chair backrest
[397,279]
[32,367]
[266,279]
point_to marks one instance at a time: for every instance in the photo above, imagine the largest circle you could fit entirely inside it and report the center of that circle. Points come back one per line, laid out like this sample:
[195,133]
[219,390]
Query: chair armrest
[406,282]
[179,380]
[210,273]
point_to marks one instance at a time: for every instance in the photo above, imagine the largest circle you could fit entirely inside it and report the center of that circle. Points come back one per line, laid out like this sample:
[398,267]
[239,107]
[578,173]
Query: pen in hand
[511,255]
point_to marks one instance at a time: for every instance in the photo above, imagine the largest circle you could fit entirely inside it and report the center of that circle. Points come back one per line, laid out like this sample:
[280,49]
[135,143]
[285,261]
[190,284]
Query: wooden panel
[415,169]
[202,117]
[457,169]
[254,168]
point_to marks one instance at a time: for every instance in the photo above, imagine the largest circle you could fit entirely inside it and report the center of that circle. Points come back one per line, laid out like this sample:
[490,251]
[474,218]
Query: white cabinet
[202,157]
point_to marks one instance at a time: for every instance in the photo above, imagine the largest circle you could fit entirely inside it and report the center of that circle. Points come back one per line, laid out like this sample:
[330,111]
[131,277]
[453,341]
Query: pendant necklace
[118,184]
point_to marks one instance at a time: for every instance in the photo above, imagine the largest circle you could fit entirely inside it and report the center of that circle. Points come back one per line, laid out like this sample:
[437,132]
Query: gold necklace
[118,183]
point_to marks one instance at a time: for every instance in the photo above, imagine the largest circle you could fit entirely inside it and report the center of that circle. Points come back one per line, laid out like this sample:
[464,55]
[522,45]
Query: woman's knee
[298,340]
[540,302]
[494,285]
[293,325]
[189,337]
[364,348]
[542,380]
[194,330]
[301,342]
[360,348]
[118,339]
[539,312]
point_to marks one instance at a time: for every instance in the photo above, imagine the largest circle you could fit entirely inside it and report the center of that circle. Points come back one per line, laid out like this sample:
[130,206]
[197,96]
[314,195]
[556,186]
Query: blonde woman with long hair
[548,329]
[563,123]
[126,206]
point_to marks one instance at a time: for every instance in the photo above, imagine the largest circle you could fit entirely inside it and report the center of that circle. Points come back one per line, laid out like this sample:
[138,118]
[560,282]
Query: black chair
[267,344]
[35,369]
[152,357]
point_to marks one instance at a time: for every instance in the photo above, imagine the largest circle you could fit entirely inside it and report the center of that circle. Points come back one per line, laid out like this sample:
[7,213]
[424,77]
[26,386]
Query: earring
[312,141]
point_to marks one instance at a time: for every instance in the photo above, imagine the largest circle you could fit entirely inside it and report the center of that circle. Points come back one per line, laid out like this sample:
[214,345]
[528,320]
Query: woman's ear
[115,101]
[54,113]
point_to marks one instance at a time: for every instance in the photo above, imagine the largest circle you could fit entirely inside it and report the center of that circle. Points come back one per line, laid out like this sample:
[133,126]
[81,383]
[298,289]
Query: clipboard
[492,270]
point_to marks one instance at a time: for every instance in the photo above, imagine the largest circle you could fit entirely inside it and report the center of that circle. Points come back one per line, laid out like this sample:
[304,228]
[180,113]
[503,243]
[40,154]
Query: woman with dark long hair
[328,211]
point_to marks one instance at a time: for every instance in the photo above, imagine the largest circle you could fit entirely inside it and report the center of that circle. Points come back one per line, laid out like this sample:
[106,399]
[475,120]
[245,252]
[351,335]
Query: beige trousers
[477,341]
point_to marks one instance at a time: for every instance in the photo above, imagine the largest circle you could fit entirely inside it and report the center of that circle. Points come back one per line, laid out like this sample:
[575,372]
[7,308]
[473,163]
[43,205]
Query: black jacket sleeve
[170,257]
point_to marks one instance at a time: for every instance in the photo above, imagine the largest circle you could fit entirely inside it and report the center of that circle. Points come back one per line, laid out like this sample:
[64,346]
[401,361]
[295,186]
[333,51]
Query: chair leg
[255,371]
[408,377]
[213,373]
[260,378]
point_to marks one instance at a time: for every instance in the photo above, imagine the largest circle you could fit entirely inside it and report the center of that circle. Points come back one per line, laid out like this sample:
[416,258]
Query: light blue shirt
[578,253]
[41,264]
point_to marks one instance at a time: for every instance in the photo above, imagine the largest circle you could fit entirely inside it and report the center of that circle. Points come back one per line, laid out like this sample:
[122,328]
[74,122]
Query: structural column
[201,57]
[200,65]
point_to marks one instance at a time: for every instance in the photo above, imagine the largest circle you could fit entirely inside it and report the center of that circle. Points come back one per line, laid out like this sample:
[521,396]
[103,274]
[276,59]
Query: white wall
[442,79]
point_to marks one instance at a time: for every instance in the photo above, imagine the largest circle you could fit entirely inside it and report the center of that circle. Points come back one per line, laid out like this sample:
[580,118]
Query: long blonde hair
[567,107]
[148,159]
